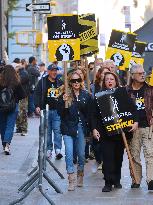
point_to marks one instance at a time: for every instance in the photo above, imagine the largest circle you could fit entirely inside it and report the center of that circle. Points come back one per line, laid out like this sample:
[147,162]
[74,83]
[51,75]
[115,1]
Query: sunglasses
[143,73]
[77,80]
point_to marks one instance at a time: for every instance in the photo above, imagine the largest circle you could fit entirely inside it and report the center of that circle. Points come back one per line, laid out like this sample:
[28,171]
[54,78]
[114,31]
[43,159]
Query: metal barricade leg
[25,194]
[31,178]
[52,183]
[32,171]
[56,170]
[40,171]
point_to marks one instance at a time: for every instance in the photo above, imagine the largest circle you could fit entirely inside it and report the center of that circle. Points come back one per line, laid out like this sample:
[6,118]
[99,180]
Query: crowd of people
[75,117]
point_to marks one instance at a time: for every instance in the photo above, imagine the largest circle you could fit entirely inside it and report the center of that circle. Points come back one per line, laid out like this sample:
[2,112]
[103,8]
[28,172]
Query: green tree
[12,5]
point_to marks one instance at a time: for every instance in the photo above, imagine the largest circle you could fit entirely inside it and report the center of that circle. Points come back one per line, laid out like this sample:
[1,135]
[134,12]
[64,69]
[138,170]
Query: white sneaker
[95,167]
[49,154]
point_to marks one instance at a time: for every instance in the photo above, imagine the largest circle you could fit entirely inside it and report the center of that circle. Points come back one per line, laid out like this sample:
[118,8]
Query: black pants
[112,152]
[97,148]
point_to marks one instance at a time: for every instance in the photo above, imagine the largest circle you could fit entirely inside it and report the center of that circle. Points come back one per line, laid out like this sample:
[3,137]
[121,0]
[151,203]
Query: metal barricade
[39,172]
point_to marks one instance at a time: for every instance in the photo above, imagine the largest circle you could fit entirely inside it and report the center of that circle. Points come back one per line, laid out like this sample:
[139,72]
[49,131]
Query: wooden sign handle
[129,157]
[65,82]
[87,74]
[150,130]
[95,70]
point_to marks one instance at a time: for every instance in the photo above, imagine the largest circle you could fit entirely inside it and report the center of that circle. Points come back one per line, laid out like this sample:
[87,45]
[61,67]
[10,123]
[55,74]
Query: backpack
[7,100]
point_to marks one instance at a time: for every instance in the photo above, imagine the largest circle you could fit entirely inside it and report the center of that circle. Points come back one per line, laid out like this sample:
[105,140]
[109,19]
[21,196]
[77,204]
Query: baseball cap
[52,67]
[41,64]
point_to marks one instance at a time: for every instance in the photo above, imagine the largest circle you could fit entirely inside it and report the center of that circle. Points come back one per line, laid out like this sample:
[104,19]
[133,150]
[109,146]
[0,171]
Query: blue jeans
[7,124]
[54,123]
[31,106]
[79,142]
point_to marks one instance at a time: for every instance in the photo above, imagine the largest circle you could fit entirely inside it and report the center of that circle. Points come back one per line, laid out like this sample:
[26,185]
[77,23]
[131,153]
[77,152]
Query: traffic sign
[40,8]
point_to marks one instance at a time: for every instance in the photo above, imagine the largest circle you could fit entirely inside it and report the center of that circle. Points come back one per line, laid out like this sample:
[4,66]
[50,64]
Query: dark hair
[9,77]
[98,74]
[91,63]
[23,61]
[31,59]
[17,60]
[55,62]
[116,79]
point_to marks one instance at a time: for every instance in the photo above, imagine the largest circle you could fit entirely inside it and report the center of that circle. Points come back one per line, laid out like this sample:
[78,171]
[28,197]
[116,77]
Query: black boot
[118,185]
[150,185]
[107,187]
[135,186]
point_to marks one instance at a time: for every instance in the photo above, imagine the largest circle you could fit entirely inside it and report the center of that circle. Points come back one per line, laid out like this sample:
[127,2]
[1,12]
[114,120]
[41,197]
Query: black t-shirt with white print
[139,95]
[52,94]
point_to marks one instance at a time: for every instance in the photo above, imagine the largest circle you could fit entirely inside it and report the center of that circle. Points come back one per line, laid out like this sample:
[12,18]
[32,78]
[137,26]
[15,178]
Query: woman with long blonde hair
[74,127]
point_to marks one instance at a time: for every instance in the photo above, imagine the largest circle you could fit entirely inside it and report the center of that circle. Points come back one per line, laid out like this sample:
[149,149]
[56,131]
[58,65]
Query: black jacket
[18,92]
[78,111]
[24,77]
[40,91]
[33,76]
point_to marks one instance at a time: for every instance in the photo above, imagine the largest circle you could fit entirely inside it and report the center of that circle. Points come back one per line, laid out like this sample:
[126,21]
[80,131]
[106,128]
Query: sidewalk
[14,168]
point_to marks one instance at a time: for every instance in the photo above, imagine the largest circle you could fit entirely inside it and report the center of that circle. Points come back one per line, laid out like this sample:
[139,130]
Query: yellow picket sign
[88,34]
[135,60]
[137,53]
[120,57]
[63,37]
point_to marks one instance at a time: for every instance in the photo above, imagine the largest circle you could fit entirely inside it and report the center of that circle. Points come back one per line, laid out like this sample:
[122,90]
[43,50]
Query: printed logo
[123,38]
[63,25]
[115,104]
[53,92]
[140,103]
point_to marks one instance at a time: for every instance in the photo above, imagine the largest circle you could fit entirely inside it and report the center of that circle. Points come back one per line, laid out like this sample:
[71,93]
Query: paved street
[14,169]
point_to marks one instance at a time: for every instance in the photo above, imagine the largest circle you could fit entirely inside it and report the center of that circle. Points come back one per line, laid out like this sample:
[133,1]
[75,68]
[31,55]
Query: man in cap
[47,92]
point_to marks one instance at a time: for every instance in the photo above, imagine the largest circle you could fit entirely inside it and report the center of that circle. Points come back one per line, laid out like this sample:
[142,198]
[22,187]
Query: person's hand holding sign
[134,127]
[96,134]
[65,97]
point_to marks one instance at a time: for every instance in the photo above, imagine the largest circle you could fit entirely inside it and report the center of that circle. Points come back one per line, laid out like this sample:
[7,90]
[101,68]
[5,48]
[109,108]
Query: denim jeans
[31,106]
[54,123]
[7,124]
[79,142]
